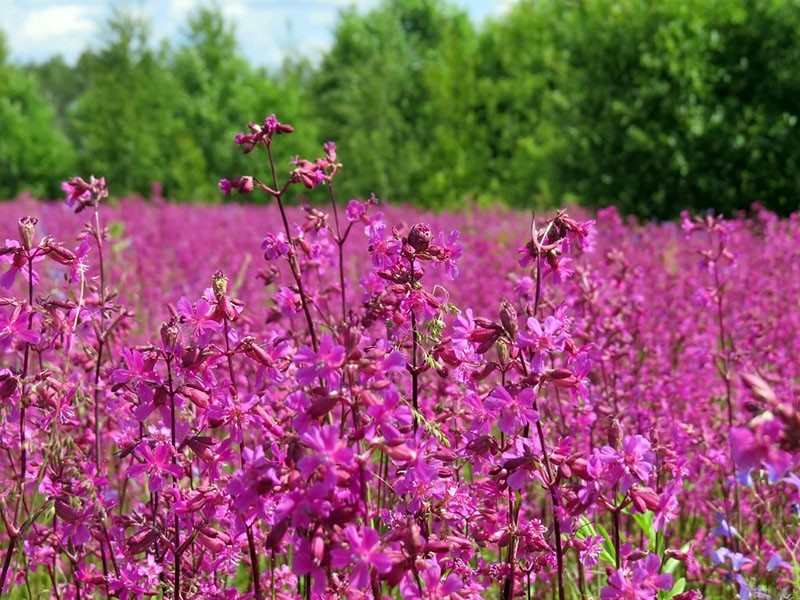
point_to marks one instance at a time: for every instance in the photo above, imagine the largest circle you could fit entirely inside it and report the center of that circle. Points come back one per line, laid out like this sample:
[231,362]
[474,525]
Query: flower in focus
[156,464]
[363,553]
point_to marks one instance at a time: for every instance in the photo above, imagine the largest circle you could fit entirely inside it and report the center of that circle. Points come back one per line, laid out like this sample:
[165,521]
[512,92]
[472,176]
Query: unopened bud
[615,433]
[508,317]
[219,284]
[27,225]
[169,334]
[502,352]
[759,388]
[420,237]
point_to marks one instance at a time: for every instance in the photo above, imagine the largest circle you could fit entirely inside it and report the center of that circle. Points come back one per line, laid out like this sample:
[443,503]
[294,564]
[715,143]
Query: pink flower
[14,327]
[759,446]
[156,464]
[514,411]
[363,553]
[542,339]
[275,246]
[329,452]
[434,588]
[632,464]
[324,364]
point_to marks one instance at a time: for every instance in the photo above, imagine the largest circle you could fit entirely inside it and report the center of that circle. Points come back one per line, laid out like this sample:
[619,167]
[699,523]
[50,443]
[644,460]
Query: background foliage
[652,106]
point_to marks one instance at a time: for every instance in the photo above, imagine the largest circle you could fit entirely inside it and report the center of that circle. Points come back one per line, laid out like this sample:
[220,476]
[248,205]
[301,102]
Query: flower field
[366,401]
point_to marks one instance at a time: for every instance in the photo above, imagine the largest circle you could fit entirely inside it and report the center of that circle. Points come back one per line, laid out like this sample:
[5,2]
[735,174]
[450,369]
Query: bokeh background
[650,106]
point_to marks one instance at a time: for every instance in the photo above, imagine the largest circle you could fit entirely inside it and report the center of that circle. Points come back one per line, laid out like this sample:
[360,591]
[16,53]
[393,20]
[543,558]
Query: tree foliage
[652,106]
[34,153]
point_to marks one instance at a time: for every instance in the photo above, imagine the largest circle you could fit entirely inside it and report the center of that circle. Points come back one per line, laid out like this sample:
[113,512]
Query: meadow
[358,400]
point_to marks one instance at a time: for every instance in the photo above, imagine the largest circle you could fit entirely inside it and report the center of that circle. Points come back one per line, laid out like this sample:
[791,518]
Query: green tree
[372,94]
[222,92]
[34,152]
[129,117]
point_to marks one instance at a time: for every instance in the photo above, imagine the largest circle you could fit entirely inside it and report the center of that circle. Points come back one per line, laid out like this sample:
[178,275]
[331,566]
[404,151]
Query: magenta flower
[324,364]
[139,367]
[355,210]
[275,246]
[243,184]
[156,464]
[251,483]
[756,447]
[81,194]
[363,554]
[434,588]
[18,259]
[77,192]
[200,317]
[642,582]
[329,452]
[14,327]
[236,413]
[542,339]
[451,251]
[80,265]
[514,411]
[632,464]
[307,561]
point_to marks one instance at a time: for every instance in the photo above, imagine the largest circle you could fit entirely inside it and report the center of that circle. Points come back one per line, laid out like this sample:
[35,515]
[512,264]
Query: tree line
[650,106]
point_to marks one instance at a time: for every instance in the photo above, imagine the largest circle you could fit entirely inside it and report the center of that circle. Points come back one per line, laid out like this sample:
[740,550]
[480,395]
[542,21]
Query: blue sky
[38,29]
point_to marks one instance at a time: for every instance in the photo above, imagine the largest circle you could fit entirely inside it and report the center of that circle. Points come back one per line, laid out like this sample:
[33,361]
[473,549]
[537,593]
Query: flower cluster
[392,404]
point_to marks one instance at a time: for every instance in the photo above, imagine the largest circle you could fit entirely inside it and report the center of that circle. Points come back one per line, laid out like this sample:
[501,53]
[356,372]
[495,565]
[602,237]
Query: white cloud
[63,29]
[267,29]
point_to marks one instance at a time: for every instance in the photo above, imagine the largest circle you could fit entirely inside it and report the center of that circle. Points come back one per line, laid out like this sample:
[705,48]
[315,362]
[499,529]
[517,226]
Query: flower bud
[508,317]
[420,237]
[219,284]
[759,388]
[644,498]
[59,253]
[142,540]
[66,513]
[27,225]
[215,544]
[8,384]
[615,433]
[502,352]
[317,549]
[169,334]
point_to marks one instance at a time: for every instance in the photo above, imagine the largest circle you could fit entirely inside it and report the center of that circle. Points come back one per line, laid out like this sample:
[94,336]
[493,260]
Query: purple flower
[759,446]
[642,582]
[591,552]
[324,364]
[329,452]
[157,464]
[514,411]
[363,553]
[14,327]
[632,464]
[355,210]
[542,339]
[451,251]
[434,588]
[275,246]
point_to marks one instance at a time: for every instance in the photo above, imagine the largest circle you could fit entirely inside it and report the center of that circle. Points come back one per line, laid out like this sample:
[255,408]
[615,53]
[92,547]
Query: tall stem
[176,554]
[726,377]
[251,543]
[295,269]
[98,237]
[554,502]
[23,452]
[414,367]
[340,244]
